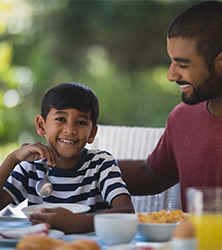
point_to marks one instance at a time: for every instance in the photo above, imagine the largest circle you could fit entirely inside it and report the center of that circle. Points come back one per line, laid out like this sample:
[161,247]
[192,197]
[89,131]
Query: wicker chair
[137,143]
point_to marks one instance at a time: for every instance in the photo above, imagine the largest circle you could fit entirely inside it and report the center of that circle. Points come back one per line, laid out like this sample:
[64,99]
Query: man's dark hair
[71,95]
[203,24]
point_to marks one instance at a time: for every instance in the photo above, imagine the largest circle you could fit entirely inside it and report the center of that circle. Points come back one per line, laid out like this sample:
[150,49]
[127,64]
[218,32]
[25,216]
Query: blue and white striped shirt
[94,181]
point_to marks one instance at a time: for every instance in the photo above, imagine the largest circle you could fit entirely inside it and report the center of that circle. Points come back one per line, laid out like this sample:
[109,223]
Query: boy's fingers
[47,152]
[50,158]
[48,210]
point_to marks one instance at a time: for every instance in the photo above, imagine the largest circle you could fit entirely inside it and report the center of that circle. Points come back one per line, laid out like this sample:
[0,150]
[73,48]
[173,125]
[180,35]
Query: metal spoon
[44,187]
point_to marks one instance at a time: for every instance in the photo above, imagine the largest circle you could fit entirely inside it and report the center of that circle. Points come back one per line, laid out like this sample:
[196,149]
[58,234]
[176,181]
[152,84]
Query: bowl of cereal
[159,226]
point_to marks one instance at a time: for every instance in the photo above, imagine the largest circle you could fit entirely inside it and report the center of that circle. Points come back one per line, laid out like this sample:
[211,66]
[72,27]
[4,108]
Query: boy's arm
[64,220]
[68,222]
[5,199]
[5,170]
[121,204]
[30,152]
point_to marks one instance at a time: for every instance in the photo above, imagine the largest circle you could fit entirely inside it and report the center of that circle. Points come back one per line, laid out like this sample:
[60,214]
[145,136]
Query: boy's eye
[81,123]
[60,119]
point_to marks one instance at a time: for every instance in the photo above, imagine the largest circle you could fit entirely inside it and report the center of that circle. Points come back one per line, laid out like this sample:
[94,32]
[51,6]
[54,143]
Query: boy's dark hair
[71,95]
[203,24]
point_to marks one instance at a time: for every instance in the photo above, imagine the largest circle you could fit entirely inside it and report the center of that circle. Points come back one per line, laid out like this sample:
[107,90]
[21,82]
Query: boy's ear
[92,135]
[40,125]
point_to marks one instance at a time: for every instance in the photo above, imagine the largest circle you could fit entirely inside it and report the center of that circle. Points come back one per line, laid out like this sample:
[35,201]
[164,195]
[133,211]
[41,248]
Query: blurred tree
[118,48]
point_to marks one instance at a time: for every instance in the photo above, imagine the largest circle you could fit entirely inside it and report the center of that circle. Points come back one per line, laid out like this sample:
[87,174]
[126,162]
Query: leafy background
[118,48]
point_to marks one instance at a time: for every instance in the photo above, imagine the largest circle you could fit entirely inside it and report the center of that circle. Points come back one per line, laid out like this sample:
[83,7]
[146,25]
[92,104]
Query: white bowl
[156,231]
[115,228]
[75,208]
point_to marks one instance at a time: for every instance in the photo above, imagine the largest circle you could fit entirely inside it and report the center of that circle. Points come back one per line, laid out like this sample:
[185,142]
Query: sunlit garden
[118,48]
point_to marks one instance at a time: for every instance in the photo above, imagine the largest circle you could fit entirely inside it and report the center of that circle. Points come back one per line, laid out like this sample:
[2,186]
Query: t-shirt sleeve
[16,184]
[111,182]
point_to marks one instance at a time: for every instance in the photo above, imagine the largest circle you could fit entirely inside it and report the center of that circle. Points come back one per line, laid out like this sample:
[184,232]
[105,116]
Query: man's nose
[173,73]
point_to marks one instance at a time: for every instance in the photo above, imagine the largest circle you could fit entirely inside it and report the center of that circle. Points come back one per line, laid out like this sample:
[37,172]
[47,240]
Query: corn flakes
[173,216]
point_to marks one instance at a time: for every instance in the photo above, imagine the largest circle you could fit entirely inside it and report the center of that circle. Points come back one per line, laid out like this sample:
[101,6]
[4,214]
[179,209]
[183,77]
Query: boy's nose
[173,73]
[70,129]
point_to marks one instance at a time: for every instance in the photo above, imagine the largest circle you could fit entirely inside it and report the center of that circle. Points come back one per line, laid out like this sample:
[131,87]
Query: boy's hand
[58,218]
[35,151]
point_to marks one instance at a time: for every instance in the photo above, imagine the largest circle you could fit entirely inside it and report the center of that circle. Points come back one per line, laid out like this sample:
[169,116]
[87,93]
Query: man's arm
[140,180]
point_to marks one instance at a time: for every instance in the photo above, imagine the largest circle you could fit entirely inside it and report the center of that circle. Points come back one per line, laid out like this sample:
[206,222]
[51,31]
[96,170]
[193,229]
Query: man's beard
[209,89]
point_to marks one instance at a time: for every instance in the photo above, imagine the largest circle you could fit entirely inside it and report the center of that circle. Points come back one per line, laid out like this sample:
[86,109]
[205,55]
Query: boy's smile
[67,141]
[67,131]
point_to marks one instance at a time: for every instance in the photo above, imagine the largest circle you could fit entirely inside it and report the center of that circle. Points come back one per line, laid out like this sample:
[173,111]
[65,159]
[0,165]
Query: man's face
[189,70]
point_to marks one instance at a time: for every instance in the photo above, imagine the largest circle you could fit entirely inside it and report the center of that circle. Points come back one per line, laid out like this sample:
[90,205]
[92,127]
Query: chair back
[137,143]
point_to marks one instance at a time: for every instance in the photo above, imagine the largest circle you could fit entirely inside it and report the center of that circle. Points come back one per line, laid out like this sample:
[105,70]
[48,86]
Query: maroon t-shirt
[190,148]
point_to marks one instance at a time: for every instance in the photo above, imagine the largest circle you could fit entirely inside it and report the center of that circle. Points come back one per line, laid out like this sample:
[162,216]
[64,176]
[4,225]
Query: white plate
[75,208]
[123,247]
[141,245]
[55,234]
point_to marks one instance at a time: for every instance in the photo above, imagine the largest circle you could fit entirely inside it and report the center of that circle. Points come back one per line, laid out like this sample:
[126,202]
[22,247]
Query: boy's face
[67,131]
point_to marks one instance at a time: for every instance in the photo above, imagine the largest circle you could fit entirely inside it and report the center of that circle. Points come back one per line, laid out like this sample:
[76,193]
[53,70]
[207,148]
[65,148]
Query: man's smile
[185,86]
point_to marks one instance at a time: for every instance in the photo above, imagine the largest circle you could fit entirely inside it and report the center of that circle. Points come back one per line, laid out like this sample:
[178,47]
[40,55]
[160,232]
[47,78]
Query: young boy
[68,121]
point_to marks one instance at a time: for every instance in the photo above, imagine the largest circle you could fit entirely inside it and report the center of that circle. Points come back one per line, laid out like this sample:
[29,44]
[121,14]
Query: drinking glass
[205,207]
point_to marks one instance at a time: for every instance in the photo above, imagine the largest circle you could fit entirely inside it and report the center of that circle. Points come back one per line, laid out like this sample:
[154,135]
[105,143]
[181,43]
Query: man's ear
[92,135]
[40,125]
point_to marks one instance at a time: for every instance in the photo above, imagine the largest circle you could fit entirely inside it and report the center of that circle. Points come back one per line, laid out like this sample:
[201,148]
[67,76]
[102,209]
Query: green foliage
[118,48]
[6,149]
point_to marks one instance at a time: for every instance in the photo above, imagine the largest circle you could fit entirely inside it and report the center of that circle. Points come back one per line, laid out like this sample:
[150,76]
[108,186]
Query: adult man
[189,150]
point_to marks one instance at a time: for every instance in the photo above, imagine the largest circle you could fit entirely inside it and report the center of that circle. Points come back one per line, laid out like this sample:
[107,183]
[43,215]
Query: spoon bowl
[44,187]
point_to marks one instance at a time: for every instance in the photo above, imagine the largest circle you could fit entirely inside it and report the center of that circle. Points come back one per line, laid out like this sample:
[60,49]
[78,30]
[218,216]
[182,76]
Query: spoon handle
[47,170]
